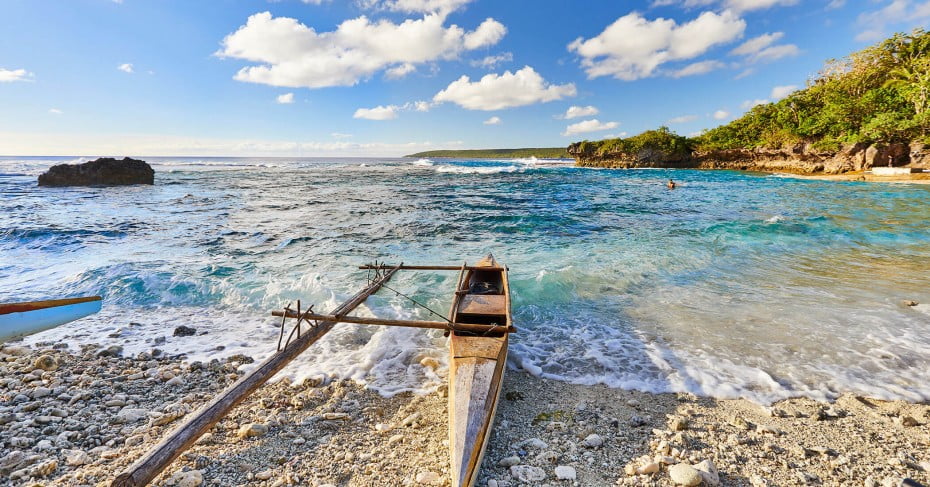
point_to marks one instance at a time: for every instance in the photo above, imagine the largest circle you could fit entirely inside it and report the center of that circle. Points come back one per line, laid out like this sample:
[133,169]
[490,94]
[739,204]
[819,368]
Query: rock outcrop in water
[801,159]
[101,172]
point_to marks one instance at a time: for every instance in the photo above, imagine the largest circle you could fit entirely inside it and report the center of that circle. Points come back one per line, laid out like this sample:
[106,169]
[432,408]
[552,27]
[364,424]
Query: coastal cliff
[869,109]
[800,159]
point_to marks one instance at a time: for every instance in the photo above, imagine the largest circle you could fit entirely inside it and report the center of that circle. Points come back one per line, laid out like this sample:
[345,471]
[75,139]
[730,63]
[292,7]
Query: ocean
[732,285]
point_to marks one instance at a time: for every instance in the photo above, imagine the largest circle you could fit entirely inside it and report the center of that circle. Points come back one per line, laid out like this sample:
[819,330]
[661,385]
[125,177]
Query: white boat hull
[15,325]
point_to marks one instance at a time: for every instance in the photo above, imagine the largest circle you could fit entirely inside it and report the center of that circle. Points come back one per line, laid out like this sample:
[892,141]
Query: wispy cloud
[491,62]
[11,75]
[683,119]
[493,121]
[55,111]
[780,92]
[593,125]
[721,115]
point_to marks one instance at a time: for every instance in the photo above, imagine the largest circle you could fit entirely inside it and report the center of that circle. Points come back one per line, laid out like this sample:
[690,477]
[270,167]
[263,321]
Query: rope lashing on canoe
[300,318]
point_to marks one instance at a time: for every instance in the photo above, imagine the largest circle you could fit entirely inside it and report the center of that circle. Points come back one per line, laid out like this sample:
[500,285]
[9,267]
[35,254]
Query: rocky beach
[81,417]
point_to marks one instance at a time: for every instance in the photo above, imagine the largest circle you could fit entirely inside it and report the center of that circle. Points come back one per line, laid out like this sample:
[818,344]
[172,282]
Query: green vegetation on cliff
[539,153]
[878,95]
[660,141]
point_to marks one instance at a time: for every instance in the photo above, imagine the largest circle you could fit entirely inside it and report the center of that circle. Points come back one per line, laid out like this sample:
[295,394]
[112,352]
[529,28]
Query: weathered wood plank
[181,438]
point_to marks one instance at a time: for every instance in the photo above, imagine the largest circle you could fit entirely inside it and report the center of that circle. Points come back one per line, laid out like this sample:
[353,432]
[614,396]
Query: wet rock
[113,351]
[104,171]
[564,472]
[527,473]
[684,474]
[184,331]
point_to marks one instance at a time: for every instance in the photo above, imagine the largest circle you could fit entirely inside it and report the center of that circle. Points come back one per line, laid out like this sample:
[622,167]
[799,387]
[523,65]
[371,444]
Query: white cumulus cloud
[285,99]
[493,121]
[875,23]
[593,125]
[285,52]
[634,47]
[721,115]
[498,91]
[11,75]
[399,71]
[126,68]
[577,112]
[379,112]
[780,92]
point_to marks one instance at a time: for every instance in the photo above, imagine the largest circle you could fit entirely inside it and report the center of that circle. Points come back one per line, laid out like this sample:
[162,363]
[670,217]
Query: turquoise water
[732,285]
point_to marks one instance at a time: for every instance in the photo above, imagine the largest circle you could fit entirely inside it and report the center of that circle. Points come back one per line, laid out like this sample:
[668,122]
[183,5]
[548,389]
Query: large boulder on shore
[101,172]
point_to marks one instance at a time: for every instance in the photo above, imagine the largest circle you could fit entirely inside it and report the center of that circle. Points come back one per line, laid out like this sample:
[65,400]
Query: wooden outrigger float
[478,326]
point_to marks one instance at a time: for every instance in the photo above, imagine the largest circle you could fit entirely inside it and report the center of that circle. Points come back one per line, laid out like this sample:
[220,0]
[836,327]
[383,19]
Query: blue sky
[390,77]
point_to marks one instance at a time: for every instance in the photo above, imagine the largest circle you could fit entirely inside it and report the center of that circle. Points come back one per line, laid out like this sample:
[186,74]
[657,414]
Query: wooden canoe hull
[476,370]
[22,319]
[474,389]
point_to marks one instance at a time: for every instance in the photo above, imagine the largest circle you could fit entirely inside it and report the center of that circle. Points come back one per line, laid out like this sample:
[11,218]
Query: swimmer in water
[671,184]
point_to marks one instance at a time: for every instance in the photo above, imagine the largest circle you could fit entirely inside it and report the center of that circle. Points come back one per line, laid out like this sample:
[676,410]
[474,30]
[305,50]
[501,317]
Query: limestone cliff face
[801,159]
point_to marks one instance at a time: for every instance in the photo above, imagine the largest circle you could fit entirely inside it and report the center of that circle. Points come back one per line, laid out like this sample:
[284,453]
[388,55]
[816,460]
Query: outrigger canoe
[478,327]
[21,319]
[476,366]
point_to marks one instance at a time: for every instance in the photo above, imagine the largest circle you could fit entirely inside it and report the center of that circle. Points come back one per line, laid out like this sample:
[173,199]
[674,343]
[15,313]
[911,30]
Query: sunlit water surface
[732,285]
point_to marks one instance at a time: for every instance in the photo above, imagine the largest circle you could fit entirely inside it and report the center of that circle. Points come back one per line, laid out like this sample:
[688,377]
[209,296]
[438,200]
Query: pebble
[686,475]
[191,478]
[44,469]
[252,430]
[565,472]
[509,461]
[527,473]
[76,457]
[678,424]
[40,392]
[708,472]
[647,469]
[593,441]
[535,443]
[428,477]
[47,363]
[264,475]
[908,421]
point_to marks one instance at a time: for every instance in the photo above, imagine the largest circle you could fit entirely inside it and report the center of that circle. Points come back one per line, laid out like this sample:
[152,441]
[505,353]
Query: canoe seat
[483,305]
